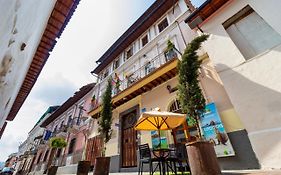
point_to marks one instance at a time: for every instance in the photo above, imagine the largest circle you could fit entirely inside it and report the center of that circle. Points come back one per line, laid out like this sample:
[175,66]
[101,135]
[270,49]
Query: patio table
[162,154]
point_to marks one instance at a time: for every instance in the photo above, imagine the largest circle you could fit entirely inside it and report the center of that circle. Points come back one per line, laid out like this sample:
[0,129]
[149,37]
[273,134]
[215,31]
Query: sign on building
[213,130]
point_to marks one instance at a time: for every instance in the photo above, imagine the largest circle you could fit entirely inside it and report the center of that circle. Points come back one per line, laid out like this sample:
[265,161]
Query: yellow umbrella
[156,120]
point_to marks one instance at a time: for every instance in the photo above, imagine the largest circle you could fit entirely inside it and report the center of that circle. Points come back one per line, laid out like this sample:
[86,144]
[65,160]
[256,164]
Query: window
[144,40]
[178,132]
[170,55]
[61,124]
[39,158]
[69,121]
[162,25]
[129,53]
[46,156]
[105,73]
[116,63]
[71,146]
[148,68]
[251,33]
[55,130]
[58,153]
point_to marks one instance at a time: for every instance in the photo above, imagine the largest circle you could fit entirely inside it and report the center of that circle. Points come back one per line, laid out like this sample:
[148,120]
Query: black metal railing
[145,70]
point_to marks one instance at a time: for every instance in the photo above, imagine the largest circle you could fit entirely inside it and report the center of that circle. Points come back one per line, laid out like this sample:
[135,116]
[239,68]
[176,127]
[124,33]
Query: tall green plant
[56,143]
[190,94]
[106,115]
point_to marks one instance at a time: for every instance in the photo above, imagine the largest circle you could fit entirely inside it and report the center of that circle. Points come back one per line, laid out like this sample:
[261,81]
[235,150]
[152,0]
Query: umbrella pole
[185,128]
[159,138]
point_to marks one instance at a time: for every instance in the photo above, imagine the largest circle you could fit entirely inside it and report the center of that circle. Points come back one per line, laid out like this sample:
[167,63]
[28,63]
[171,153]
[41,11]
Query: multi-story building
[245,47]
[70,122]
[144,75]
[11,161]
[28,34]
[28,149]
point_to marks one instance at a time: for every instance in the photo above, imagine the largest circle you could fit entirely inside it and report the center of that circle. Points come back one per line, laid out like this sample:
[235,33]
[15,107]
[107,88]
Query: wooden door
[129,138]
[94,148]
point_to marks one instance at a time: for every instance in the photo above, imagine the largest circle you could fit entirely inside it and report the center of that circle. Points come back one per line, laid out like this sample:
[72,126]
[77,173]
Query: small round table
[161,154]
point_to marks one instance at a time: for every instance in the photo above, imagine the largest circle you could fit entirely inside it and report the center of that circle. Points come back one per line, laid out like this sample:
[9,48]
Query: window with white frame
[144,40]
[251,33]
[116,63]
[129,53]
[106,73]
[162,25]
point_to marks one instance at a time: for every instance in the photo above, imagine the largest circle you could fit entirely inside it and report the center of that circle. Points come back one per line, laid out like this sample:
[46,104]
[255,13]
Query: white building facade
[245,47]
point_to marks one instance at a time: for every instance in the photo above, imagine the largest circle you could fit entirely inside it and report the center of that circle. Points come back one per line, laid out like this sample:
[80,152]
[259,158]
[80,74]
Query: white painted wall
[156,45]
[21,22]
[254,86]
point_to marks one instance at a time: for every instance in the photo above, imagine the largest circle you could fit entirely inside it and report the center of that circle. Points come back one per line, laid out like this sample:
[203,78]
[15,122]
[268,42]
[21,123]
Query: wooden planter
[52,170]
[202,158]
[102,166]
[83,167]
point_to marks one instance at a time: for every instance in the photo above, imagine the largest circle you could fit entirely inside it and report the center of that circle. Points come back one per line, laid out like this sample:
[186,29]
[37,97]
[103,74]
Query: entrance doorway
[94,149]
[129,138]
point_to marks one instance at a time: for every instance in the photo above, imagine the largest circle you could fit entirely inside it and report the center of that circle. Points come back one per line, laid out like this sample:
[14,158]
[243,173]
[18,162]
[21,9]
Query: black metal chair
[145,158]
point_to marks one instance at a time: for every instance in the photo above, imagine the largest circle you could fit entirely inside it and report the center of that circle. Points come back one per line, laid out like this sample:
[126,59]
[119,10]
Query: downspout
[185,43]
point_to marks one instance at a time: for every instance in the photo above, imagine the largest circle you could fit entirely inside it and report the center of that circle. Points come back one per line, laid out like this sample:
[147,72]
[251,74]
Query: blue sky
[94,27]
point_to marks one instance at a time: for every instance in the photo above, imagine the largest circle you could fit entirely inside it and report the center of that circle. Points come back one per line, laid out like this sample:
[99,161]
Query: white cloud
[94,27]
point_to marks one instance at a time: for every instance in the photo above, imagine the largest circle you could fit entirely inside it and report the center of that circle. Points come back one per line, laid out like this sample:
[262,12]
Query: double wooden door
[129,140]
[94,149]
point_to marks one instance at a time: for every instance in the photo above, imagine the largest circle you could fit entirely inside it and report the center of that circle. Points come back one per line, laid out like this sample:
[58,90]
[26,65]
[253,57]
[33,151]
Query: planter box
[52,170]
[83,167]
[102,166]
[202,158]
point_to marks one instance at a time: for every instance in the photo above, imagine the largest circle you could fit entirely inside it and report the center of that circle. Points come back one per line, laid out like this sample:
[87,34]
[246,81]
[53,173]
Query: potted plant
[202,157]
[55,143]
[170,52]
[105,131]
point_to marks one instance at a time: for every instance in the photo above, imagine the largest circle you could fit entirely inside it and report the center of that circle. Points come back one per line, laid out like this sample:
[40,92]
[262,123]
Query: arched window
[175,107]
[178,133]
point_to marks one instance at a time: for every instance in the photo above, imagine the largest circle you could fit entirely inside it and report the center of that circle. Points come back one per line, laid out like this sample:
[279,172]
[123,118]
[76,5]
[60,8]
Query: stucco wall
[21,22]
[253,86]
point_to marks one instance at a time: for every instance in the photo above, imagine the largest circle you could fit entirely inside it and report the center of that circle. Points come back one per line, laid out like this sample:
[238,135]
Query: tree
[190,94]
[55,144]
[106,116]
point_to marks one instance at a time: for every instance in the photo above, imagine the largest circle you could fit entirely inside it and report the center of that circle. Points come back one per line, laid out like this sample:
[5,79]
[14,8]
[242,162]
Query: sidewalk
[225,172]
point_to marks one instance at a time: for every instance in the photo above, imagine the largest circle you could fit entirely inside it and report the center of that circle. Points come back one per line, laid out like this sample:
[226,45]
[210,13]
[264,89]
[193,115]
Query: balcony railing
[149,67]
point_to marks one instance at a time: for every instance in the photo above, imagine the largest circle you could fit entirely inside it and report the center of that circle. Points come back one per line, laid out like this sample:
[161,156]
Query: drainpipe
[178,25]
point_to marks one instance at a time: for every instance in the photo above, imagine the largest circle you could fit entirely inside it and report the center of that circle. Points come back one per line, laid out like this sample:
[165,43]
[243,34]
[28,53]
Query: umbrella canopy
[157,120]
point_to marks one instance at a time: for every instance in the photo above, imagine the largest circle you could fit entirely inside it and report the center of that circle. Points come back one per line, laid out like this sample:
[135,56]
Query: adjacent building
[28,34]
[71,122]
[245,48]
[28,149]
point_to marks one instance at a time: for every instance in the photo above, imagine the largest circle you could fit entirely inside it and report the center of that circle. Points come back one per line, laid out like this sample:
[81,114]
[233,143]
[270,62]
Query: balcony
[61,132]
[152,74]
